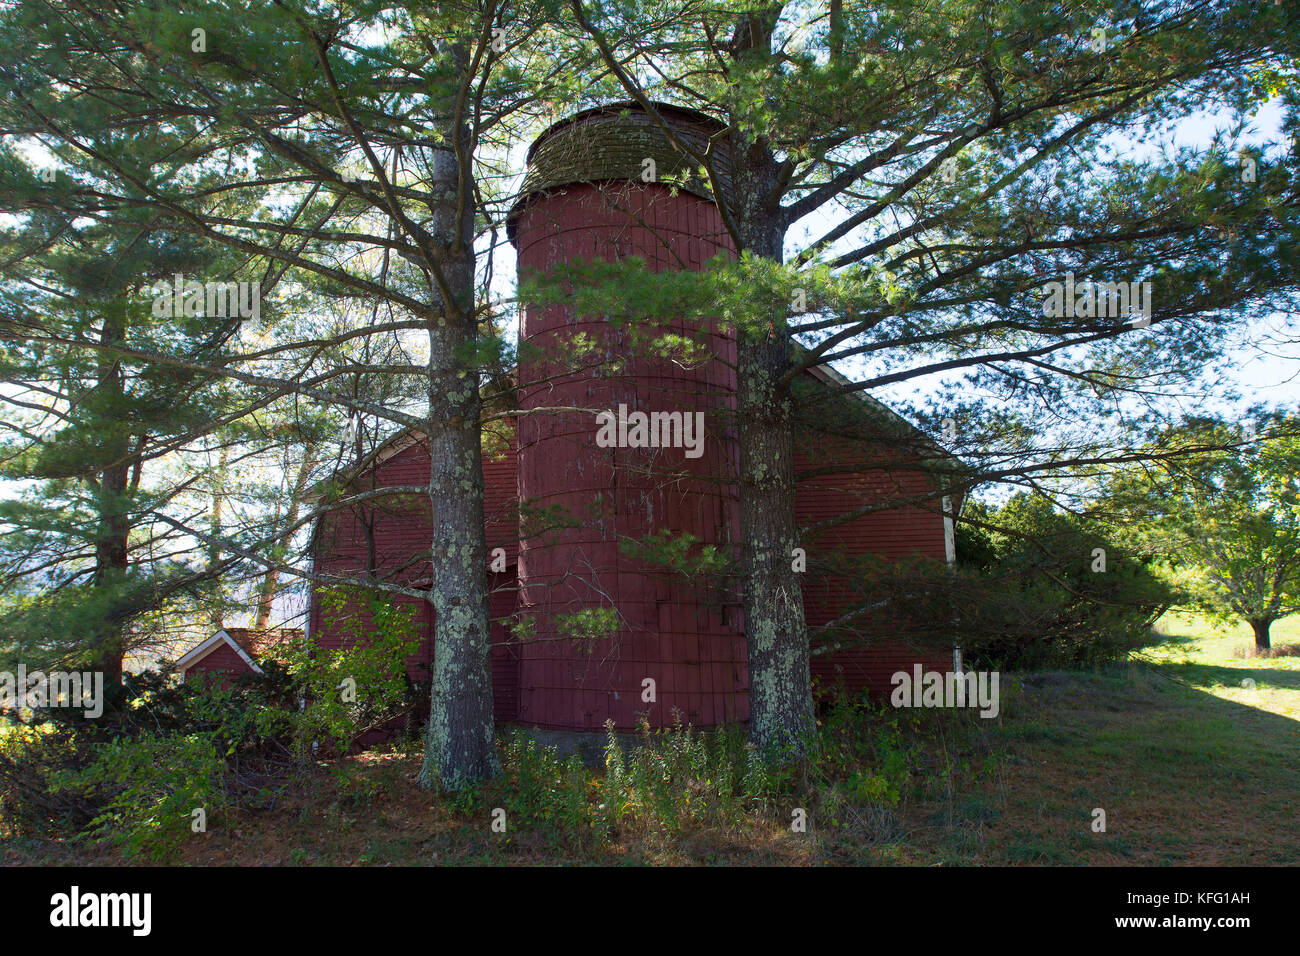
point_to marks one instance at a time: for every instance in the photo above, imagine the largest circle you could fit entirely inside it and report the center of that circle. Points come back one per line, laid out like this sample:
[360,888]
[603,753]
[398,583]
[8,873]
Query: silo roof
[611,142]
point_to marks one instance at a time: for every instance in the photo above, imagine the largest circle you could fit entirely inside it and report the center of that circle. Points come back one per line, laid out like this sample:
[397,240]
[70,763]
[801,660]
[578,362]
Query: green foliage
[678,777]
[588,625]
[82,487]
[682,553]
[1033,587]
[1041,587]
[675,780]
[30,758]
[870,768]
[133,779]
[58,742]
[155,782]
[862,770]
[361,685]
[665,782]
[545,790]
[1223,514]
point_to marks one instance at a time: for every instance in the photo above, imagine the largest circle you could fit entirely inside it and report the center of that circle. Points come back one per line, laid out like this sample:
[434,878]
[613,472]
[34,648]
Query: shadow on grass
[1264,671]
[1186,776]
[1212,675]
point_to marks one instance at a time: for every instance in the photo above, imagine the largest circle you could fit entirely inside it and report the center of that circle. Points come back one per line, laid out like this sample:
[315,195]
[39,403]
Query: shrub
[155,783]
[545,790]
[29,759]
[678,777]
[361,686]
[1030,594]
[134,778]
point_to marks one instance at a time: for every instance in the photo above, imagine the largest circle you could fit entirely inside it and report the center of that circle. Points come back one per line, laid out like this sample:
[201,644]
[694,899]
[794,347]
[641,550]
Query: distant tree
[82,435]
[1227,517]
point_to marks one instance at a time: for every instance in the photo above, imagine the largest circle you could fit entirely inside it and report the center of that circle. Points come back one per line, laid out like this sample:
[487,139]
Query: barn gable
[232,650]
[853,455]
[390,538]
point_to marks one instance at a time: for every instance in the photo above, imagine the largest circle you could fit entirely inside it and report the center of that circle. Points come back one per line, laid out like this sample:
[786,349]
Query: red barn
[590,508]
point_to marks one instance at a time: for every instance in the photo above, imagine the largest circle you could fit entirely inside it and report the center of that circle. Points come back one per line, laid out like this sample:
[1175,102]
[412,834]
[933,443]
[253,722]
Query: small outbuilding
[233,651]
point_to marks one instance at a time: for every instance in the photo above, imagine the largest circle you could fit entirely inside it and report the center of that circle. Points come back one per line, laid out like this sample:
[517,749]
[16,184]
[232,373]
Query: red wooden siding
[693,651]
[222,659]
[901,532]
[402,532]
[690,643]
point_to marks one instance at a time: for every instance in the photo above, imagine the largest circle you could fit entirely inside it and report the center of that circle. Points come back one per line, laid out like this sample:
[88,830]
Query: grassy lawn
[1189,766]
[1214,658]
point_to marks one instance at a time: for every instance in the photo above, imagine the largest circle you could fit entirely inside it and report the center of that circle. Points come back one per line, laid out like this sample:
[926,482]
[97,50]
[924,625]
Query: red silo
[584,198]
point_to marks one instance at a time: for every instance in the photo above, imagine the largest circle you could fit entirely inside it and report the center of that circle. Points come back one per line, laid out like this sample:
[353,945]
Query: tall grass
[678,779]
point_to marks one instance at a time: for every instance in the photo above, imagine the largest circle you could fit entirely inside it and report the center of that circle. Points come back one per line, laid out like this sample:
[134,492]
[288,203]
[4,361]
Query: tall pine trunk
[111,561]
[776,632]
[112,536]
[781,716]
[217,613]
[459,745]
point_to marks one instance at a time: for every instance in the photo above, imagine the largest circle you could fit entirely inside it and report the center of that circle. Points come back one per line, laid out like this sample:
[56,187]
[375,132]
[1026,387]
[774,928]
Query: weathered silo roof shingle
[612,142]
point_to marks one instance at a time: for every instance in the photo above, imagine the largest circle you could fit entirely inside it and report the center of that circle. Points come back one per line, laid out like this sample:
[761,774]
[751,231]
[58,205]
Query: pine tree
[334,150]
[922,174]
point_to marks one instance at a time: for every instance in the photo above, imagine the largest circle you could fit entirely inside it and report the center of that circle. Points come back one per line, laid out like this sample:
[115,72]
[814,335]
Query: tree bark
[217,615]
[776,633]
[781,716]
[113,534]
[459,743]
[1260,626]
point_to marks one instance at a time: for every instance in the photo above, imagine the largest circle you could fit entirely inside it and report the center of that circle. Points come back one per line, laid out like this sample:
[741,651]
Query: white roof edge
[194,655]
[839,379]
[398,441]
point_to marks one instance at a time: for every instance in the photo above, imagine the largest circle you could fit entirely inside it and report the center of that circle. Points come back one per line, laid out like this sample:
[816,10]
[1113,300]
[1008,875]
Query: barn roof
[921,441]
[878,411]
